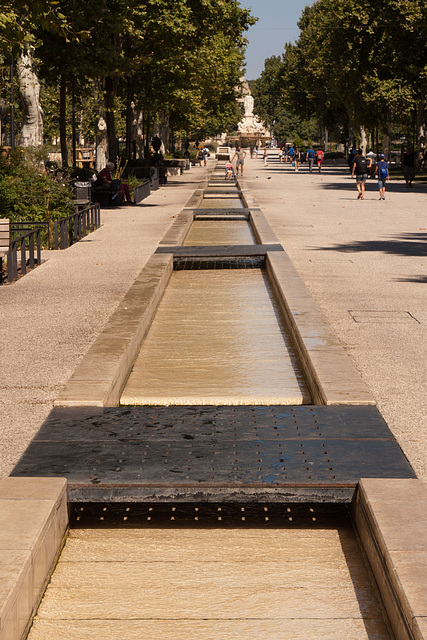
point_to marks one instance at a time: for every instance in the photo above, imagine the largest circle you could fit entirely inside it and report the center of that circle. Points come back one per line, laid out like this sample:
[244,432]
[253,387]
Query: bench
[4,242]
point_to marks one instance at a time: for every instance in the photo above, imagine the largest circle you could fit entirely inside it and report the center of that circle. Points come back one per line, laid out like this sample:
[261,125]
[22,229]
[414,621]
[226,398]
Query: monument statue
[249,105]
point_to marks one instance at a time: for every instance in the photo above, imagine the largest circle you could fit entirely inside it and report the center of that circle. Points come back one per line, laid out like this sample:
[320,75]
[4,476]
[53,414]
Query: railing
[75,227]
[27,225]
[19,244]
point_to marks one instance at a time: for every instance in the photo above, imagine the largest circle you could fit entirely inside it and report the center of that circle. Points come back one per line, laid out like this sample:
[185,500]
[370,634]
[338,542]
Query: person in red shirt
[105,179]
[319,157]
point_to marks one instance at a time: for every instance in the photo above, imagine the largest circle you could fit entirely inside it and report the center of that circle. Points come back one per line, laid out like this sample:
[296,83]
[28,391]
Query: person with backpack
[360,169]
[310,158]
[383,175]
[319,158]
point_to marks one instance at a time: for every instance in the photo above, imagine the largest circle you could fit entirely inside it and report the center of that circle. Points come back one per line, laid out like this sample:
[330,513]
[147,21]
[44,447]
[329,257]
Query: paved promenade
[364,263]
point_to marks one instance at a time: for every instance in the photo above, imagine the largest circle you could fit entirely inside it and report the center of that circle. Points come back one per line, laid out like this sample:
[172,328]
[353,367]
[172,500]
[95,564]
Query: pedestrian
[265,157]
[280,156]
[373,157]
[200,156]
[297,158]
[360,169]
[240,155]
[408,162]
[310,158]
[206,155]
[251,151]
[319,158]
[383,175]
[350,159]
[291,154]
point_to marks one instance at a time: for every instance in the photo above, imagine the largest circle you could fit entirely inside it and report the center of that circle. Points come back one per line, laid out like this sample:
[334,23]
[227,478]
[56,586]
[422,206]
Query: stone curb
[34,523]
[99,379]
[391,519]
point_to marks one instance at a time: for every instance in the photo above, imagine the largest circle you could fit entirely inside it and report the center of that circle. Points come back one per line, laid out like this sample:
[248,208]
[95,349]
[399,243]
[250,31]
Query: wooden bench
[4,243]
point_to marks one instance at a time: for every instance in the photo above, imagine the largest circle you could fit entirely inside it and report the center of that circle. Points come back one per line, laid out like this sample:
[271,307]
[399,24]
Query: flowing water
[217,338]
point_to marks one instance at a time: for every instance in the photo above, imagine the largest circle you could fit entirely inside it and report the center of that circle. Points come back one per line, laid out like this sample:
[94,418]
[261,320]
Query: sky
[277,24]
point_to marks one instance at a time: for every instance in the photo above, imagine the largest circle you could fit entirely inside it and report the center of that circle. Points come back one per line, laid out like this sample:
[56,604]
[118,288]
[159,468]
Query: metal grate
[193,264]
[204,514]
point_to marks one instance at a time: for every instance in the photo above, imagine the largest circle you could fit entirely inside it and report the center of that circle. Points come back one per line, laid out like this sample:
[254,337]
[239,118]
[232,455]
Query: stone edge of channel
[34,525]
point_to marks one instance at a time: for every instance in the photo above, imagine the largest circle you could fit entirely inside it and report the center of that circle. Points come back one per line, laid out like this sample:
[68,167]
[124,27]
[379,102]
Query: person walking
[265,157]
[383,175]
[297,158]
[319,157]
[240,155]
[408,161]
[206,155]
[373,157]
[350,160]
[310,158]
[360,170]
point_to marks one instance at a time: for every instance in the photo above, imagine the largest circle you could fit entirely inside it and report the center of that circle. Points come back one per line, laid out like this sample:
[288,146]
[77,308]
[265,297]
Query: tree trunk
[147,145]
[162,129]
[63,120]
[29,87]
[363,138]
[101,145]
[137,131]
[113,149]
[129,123]
[421,132]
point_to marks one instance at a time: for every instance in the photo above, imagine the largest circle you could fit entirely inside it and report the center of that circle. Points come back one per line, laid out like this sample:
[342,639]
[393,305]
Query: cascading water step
[246,454]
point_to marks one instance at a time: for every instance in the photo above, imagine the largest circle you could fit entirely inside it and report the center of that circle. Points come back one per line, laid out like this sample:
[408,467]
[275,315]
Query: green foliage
[358,63]
[28,192]
[182,59]
[270,106]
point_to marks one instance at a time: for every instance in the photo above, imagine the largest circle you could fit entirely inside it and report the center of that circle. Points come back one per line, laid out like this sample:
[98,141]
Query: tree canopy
[358,63]
[181,60]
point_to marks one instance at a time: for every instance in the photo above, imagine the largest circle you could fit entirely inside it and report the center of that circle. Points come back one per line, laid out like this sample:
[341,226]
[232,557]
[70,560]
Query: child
[383,175]
[228,170]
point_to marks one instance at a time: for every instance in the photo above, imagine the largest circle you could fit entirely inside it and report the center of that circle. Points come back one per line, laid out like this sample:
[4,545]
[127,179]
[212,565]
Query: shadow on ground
[410,244]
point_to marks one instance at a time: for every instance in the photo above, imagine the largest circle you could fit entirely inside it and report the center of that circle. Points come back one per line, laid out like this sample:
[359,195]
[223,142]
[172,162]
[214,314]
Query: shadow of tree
[415,279]
[410,244]
[371,185]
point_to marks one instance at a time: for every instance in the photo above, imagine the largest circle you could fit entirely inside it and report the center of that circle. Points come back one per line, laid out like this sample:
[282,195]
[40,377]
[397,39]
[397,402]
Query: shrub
[29,192]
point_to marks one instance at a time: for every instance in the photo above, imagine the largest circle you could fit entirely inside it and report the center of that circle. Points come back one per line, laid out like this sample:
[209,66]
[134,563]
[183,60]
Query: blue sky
[277,24]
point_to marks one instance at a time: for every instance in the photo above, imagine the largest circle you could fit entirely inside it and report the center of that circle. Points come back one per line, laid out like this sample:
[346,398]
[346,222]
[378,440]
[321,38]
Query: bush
[29,192]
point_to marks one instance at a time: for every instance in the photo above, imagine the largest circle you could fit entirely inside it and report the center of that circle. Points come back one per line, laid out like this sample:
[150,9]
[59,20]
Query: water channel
[218,337]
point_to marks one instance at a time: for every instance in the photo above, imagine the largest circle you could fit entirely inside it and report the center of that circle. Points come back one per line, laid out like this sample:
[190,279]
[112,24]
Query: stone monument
[251,131]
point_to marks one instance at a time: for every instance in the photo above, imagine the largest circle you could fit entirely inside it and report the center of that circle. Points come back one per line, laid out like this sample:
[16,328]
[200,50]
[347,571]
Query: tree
[353,62]
[270,105]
